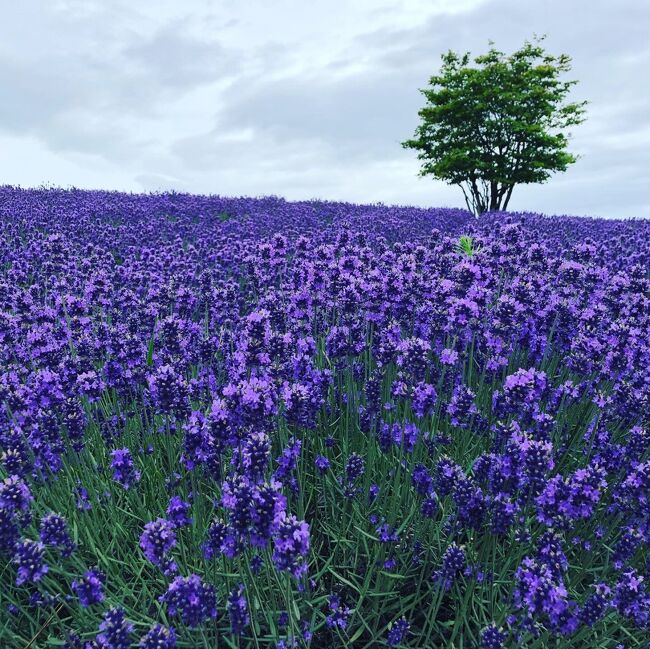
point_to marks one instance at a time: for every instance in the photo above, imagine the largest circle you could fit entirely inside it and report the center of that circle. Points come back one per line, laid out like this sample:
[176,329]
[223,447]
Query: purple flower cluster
[492,637]
[124,471]
[191,599]
[238,610]
[157,540]
[89,588]
[29,559]
[453,562]
[178,512]
[338,613]
[54,532]
[115,631]
[398,632]
[158,637]
[291,545]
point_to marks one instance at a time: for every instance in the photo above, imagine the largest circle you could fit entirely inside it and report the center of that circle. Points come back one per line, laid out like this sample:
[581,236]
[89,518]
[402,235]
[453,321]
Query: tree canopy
[498,123]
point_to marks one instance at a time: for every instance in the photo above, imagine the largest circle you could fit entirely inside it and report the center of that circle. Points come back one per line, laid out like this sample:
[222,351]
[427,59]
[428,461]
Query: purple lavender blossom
[54,532]
[398,632]
[178,512]
[168,391]
[424,399]
[192,599]
[197,441]
[256,454]
[115,630]
[322,463]
[124,471]
[453,562]
[338,613]
[461,406]
[238,610]
[217,534]
[596,605]
[492,637]
[541,592]
[89,587]
[158,637]
[15,495]
[632,598]
[287,463]
[157,540]
[268,507]
[429,506]
[9,532]
[291,545]
[354,468]
[30,562]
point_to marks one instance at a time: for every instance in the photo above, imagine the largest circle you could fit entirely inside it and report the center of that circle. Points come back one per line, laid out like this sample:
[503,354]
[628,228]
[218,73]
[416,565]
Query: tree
[494,125]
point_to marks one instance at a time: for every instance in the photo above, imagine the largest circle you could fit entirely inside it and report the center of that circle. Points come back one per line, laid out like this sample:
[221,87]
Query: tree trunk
[495,198]
[508,195]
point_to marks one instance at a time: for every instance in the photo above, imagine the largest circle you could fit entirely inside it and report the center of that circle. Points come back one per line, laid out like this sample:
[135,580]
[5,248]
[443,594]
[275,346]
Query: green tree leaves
[495,124]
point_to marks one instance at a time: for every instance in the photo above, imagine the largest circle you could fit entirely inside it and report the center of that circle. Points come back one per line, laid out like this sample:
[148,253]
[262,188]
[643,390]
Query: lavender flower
[238,610]
[217,532]
[398,632]
[124,471]
[338,613]
[287,463]
[158,637]
[596,605]
[453,562]
[15,495]
[115,631]
[291,545]
[461,406]
[632,598]
[54,532]
[29,560]
[322,463]
[424,399]
[541,591]
[157,540]
[178,512]
[354,468]
[168,391]
[89,588]
[9,531]
[492,637]
[190,598]
[256,454]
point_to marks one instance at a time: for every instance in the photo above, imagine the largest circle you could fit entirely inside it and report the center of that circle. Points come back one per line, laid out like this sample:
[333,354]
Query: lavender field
[258,423]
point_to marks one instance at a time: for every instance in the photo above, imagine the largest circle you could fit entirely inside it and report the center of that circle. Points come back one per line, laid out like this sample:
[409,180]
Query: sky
[301,99]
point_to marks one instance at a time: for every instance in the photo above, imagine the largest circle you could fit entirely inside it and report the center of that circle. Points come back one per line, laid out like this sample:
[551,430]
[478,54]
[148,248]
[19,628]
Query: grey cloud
[263,153]
[177,60]
[32,96]
[357,115]
[90,97]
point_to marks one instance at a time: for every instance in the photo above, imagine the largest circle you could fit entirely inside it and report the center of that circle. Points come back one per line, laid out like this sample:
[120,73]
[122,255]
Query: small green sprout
[466,246]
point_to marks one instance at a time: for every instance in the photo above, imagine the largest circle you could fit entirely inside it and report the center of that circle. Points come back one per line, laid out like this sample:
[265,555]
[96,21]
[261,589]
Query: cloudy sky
[298,98]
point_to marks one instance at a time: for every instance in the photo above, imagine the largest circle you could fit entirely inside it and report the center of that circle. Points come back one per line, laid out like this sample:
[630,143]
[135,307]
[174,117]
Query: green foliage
[493,125]
[465,246]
